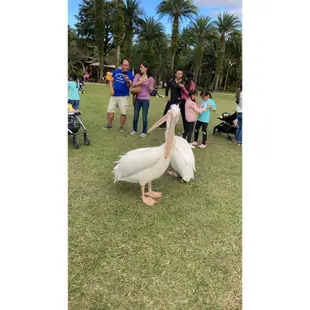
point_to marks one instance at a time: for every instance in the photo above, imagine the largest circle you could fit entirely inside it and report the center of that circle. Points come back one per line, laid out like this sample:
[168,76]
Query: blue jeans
[144,104]
[239,129]
[75,103]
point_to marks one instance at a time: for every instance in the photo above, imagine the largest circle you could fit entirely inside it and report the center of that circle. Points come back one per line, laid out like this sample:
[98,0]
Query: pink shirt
[185,92]
[144,94]
[191,110]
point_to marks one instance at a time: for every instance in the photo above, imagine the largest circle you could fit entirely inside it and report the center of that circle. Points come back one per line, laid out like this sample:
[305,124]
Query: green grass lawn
[183,253]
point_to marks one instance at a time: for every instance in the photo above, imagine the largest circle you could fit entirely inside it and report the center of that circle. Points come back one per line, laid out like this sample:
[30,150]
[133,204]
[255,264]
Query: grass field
[183,253]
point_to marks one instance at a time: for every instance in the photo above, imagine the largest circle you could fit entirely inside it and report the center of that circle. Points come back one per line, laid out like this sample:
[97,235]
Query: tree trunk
[174,41]
[226,78]
[221,80]
[217,78]
[195,74]
[199,76]
[118,55]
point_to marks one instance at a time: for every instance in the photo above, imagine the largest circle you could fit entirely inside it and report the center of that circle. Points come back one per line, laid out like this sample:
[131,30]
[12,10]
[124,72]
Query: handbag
[135,89]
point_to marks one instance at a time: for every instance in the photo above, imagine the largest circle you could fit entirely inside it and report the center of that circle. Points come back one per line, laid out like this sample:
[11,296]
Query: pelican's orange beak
[158,123]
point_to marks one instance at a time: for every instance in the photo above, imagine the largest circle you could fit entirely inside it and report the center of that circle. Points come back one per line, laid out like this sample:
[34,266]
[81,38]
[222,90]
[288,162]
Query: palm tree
[226,23]
[133,14]
[234,55]
[203,30]
[177,10]
[100,33]
[151,39]
[119,28]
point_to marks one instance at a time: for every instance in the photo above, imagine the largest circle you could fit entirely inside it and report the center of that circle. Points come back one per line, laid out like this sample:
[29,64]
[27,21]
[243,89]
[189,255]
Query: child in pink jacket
[191,110]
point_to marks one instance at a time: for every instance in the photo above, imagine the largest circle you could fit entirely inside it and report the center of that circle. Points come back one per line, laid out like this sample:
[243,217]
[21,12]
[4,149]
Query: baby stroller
[74,124]
[227,125]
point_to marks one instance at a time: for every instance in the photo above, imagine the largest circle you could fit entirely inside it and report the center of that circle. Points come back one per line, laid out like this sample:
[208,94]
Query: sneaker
[133,133]
[122,129]
[107,127]
[192,146]
[194,143]
[202,146]
[143,135]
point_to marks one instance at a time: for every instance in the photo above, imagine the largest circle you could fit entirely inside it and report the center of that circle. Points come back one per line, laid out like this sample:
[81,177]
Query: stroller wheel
[86,140]
[76,144]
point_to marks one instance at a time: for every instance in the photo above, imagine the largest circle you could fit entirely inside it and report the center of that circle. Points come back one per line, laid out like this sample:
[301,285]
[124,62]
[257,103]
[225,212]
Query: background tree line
[111,30]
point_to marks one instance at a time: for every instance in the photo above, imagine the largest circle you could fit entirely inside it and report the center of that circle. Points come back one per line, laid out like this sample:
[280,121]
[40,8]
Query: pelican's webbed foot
[152,194]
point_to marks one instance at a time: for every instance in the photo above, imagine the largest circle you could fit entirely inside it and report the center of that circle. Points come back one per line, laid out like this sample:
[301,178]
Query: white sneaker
[202,146]
[192,146]
[194,143]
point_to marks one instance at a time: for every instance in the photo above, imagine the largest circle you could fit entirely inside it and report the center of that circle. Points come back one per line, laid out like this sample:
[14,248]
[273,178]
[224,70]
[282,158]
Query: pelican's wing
[183,159]
[136,161]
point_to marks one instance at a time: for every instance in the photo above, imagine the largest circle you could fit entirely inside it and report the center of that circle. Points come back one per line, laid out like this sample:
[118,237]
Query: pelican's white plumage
[141,165]
[147,164]
[183,159]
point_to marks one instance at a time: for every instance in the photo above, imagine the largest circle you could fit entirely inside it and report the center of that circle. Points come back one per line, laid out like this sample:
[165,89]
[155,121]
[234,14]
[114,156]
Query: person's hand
[112,92]
[181,85]
[126,77]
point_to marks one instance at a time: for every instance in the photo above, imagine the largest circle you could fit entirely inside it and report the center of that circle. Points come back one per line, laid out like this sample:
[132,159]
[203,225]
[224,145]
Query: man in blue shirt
[119,84]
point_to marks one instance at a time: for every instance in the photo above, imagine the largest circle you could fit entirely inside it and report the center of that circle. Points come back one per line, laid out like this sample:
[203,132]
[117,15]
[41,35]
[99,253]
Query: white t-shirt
[239,106]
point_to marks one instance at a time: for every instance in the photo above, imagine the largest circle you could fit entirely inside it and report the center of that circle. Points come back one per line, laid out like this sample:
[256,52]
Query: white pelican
[182,158]
[147,164]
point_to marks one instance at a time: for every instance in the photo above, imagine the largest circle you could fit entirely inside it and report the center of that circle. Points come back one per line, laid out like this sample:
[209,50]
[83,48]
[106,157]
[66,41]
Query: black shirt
[175,93]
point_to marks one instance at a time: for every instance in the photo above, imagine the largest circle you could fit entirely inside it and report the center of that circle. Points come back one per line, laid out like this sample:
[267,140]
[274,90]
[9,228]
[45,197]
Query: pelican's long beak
[158,123]
[169,140]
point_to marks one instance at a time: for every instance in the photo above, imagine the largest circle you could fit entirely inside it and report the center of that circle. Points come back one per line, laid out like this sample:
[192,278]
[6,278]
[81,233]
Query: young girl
[73,91]
[191,110]
[204,118]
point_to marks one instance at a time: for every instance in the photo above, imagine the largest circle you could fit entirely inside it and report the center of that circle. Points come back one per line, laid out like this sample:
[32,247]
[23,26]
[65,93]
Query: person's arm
[167,88]
[111,86]
[194,107]
[211,108]
[184,90]
[135,80]
[128,80]
[151,84]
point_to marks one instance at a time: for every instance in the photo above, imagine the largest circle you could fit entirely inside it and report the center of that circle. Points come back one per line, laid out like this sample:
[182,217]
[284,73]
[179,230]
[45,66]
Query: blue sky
[206,8]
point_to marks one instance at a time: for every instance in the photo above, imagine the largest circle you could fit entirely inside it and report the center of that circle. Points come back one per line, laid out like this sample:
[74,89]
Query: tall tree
[177,11]
[226,23]
[133,14]
[151,39]
[233,57]
[100,33]
[86,26]
[203,31]
[119,28]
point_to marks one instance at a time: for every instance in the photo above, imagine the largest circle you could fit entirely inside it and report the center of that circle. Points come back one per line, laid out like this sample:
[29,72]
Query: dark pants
[75,103]
[144,104]
[182,108]
[204,131]
[167,108]
[188,131]
[239,129]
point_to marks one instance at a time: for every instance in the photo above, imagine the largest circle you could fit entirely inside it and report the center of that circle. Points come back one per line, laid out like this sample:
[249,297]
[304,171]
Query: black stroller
[74,124]
[227,125]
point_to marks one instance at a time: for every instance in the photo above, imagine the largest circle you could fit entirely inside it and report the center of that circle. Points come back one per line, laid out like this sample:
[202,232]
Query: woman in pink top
[143,98]
[191,110]
[190,85]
